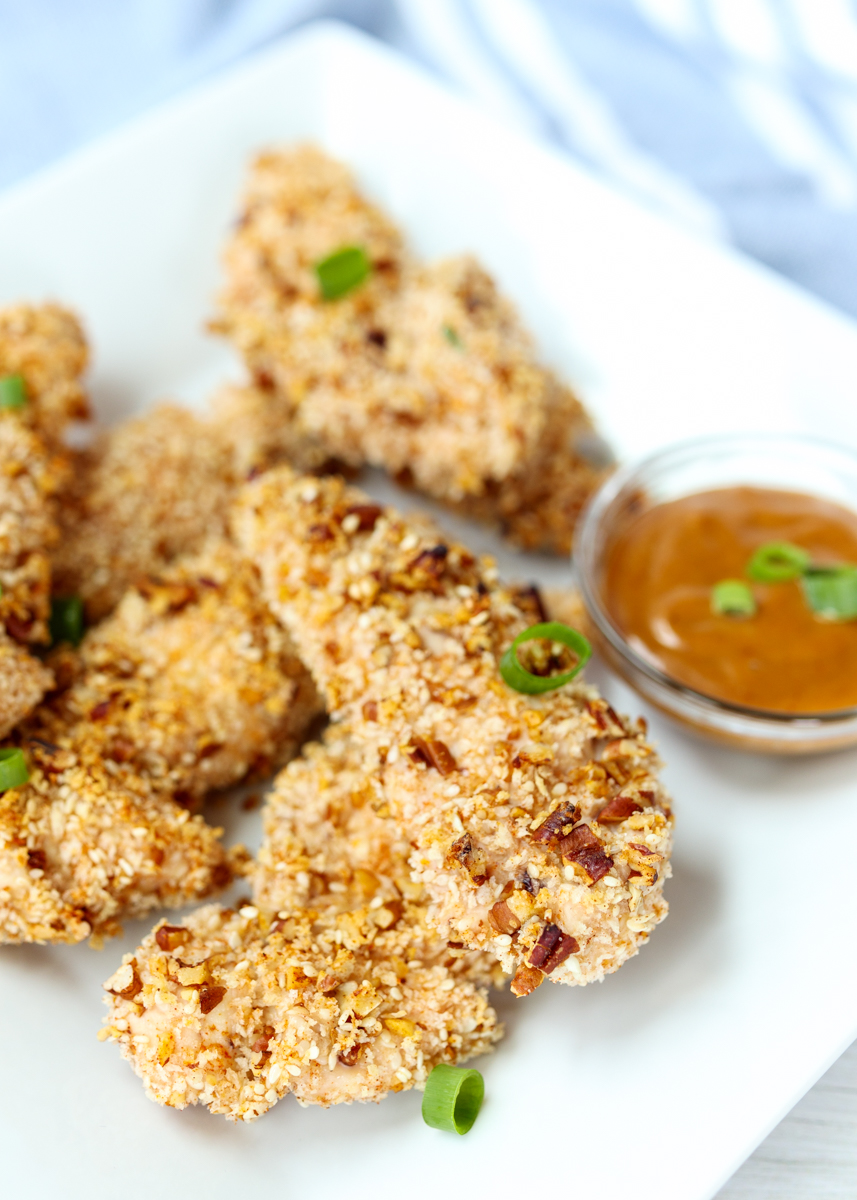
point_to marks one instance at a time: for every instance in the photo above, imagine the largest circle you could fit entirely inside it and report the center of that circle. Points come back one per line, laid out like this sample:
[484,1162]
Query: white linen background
[737,118]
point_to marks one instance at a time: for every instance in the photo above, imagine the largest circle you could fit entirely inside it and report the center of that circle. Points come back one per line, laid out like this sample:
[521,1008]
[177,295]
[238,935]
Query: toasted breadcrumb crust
[403,632]
[23,682]
[152,488]
[345,994]
[87,842]
[191,680]
[30,476]
[423,370]
[326,843]
[46,345]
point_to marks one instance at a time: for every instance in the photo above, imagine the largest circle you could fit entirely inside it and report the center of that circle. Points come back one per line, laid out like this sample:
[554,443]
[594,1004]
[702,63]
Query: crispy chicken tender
[152,488]
[346,995]
[30,476]
[46,345]
[191,680]
[23,683]
[329,839]
[540,828]
[85,843]
[425,371]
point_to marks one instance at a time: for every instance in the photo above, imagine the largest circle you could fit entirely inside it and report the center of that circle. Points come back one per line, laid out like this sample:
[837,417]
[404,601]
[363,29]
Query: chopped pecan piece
[327,984]
[463,853]
[349,1057]
[526,980]
[100,711]
[210,995]
[169,937]
[618,809]
[605,718]
[529,601]
[370,710]
[503,919]
[563,947]
[434,753]
[127,981]
[583,847]
[543,948]
[558,825]
[319,533]
[36,860]
[367,516]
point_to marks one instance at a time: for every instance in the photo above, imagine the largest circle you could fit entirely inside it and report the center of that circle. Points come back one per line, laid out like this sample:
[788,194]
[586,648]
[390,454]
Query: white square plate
[660,1081]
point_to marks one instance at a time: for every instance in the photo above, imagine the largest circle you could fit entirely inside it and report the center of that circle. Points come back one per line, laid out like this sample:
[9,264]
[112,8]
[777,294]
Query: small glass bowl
[789,462]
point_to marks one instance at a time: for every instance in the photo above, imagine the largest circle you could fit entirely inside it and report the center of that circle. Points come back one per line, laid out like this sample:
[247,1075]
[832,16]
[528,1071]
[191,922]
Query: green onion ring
[13,391]
[453,1098]
[732,598]
[66,623]
[831,592]
[342,271]
[522,680]
[13,768]
[777,562]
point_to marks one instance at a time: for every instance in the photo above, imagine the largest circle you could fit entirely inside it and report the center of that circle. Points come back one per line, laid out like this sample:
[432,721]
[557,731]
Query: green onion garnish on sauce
[452,337]
[522,680]
[342,271]
[453,1098]
[776,562]
[13,391]
[831,592]
[732,598]
[66,623]
[13,768]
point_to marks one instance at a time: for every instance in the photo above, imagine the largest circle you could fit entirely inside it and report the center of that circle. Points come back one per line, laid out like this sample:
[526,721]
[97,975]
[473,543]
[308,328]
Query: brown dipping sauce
[664,561]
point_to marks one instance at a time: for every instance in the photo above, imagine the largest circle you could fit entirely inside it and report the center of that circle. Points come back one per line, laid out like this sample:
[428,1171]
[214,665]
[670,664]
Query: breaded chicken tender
[30,476]
[85,843]
[424,371]
[23,682]
[152,488]
[345,995]
[540,828]
[46,345]
[191,680]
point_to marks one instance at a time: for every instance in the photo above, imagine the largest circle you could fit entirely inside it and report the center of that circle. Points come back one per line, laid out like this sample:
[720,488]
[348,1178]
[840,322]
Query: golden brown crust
[191,680]
[153,488]
[403,631]
[85,843]
[345,995]
[45,344]
[423,370]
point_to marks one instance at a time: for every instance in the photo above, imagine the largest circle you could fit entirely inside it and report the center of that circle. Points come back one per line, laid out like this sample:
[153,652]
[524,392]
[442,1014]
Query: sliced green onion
[13,391]
[522,680]
[342,271]
[453,1098]
[452,337]
[66,623]
[776,562]
[831,592]
[732,598]
[13,768]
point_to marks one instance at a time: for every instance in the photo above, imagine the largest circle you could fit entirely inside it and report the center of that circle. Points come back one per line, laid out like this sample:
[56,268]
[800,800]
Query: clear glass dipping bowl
[790,462]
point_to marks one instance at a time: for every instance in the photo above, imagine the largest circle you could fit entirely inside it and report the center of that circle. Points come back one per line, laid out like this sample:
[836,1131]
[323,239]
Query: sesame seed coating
[152,488]
[403,631]
[46,345]
[343,995]
[87,842]
[423,370]
[191,680]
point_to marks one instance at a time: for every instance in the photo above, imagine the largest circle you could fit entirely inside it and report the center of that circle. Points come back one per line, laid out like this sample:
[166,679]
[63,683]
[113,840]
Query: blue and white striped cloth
[736,117]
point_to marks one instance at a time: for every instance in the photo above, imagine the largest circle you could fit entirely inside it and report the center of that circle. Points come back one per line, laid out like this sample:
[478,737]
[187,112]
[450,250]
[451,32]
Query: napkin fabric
[737,118]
